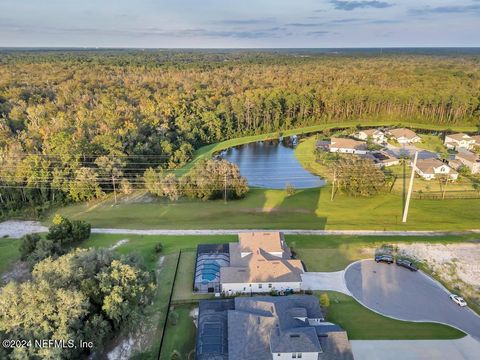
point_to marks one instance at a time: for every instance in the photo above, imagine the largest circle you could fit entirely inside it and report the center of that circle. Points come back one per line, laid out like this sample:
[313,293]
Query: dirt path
[16,229]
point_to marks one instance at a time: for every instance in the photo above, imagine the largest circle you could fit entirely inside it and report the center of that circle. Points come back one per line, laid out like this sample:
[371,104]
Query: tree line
[74,125]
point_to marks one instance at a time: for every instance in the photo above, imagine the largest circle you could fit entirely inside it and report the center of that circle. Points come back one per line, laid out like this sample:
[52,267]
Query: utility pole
[410,188]
[445,187]
[225,187]
[333,183]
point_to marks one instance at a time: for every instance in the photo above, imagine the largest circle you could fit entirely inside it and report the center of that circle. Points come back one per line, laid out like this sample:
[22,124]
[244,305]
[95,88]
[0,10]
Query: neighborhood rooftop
[346,143]
[262,327]
[260,257]
[403,132]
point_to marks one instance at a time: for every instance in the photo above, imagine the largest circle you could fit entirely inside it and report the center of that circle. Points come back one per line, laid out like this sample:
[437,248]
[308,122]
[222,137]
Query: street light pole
[410,188]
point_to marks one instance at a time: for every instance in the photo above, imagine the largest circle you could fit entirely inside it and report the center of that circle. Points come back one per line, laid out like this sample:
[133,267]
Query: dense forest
[77,124]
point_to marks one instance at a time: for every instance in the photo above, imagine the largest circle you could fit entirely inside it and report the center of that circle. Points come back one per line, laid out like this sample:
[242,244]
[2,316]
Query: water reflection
[272,164]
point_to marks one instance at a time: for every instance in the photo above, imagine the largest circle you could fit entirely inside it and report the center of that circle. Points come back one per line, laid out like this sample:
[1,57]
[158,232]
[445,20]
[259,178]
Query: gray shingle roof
[259,326]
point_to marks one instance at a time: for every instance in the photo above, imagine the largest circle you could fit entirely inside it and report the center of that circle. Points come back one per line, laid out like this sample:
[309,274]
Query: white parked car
[458,300]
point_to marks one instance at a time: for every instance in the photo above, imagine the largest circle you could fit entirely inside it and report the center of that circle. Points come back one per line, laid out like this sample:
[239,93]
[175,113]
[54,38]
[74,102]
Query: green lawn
[9,253]
[271,209]
[180,337]
[157,312]
[432,143]
[334,253]
[363,324]
[183,290]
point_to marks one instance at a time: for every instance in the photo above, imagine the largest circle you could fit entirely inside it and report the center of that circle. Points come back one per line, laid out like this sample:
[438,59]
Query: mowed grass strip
[183,290]
[181,335]
[271,209]
[9,253]
[364,324]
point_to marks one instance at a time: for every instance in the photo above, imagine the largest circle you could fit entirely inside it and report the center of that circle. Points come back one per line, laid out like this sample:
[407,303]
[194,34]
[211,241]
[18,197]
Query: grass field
[181,336]
[431,143]
[9,253]
[183,290]
[157,312]
[363,324]
[334,253]
[272,209]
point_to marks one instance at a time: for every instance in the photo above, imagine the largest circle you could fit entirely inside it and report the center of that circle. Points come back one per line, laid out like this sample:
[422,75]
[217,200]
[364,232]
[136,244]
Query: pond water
[271,164]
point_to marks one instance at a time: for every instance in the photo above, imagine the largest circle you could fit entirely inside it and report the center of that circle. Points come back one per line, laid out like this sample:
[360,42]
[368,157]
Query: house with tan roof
[404,136]
[260,262]
[459,141]
[433,168]
[377,136]
[470,160]
[347,146]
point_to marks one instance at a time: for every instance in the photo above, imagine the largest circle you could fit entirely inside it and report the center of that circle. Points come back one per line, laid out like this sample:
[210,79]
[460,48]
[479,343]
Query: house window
[269,286]
[259,286]
[299,355]
[294,355]
[244,288]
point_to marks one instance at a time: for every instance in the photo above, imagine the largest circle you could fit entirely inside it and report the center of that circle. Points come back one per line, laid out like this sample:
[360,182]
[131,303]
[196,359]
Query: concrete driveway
[402,294]
[465,348]
[334,281]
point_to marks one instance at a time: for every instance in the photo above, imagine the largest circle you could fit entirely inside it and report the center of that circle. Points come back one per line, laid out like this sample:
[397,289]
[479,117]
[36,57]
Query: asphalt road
[402,294]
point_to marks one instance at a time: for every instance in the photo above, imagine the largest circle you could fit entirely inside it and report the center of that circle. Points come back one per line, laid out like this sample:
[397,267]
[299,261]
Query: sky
[239,24]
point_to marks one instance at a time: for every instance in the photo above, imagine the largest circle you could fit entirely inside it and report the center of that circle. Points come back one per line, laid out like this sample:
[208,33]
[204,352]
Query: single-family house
[260,262]
[455,164]
[432,168]
[377,136]
[347,146]
[459,141]
[404,136]
[382,158]
[268,328]
[470,160]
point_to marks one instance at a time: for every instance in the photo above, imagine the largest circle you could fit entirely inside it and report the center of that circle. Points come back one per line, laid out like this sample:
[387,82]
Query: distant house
[266,328]
[432,168]
[405,136]
[470,160]
[347,146]
[459,141]
[455,164]
[382,159]
[376,135]
[323,145]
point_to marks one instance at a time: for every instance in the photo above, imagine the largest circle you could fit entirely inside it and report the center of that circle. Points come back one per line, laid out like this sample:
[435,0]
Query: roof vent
[294,335]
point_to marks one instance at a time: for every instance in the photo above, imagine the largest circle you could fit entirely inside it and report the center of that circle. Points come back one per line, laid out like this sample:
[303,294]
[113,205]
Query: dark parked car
[384,258]
[406,264]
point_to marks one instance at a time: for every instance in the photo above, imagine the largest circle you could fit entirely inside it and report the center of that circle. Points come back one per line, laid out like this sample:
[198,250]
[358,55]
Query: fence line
[168,307]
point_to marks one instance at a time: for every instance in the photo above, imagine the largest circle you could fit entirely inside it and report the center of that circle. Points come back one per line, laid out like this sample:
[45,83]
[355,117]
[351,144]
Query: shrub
[158,248]
[173,317]
[324,300]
